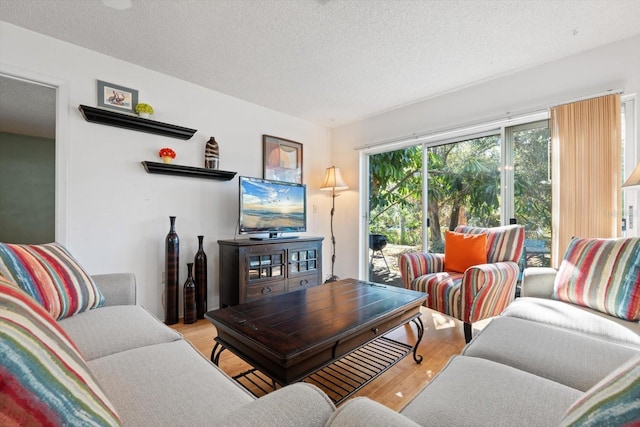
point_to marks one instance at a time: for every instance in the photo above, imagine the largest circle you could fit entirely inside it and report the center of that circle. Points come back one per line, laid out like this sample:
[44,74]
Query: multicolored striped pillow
[602,274]
[613,402]
[51,276]
[43,379]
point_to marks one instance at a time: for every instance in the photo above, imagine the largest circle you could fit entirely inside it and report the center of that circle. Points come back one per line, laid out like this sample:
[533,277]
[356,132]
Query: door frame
[61,140]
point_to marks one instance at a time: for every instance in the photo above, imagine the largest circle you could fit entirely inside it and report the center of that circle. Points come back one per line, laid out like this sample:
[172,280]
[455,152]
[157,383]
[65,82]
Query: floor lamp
[333,181]
[632,183]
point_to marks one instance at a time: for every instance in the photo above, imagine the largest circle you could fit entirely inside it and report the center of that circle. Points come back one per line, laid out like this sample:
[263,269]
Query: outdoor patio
[378,271]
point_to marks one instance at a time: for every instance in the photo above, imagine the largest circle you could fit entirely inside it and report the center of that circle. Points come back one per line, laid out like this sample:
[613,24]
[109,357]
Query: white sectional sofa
[154,377]
[517,371]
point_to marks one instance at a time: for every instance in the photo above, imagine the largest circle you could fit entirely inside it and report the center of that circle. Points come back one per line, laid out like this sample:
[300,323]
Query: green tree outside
[463,188]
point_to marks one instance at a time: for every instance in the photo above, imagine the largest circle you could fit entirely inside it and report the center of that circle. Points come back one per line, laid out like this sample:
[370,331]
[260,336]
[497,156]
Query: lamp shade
[634,180]
[333,180]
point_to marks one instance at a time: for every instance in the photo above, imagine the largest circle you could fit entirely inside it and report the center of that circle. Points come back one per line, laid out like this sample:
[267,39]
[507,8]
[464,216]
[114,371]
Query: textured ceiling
[332,61]
[27,108]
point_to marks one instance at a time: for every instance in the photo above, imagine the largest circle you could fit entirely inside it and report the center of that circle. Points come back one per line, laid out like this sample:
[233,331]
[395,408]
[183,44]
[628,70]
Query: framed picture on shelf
[282,159]
[116,97]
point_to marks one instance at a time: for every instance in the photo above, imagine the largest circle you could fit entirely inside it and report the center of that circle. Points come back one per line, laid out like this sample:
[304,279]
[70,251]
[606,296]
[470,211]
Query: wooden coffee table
[291,336]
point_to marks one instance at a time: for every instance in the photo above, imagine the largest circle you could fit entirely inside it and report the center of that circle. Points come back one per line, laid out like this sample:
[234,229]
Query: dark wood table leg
[215,353]
[417,357]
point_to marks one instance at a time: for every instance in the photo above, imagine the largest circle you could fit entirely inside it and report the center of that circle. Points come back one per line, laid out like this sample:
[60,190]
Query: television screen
[272,206]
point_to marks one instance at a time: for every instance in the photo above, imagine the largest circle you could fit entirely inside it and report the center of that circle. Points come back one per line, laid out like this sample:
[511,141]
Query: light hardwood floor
[443,338]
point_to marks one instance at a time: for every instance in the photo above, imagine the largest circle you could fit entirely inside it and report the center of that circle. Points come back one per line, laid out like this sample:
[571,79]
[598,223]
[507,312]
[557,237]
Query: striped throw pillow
[51,276]
[613,402]
[602,274]
[43,379]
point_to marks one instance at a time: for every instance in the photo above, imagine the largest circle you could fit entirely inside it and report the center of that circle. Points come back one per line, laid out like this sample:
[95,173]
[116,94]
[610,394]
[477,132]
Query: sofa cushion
[168,384]
[575,360]
[296,405]
[362,411]
[51,276]
[43,378]
[579,319]
[614,402]
[603,274]
[462,251]
[110,330]
[473,391]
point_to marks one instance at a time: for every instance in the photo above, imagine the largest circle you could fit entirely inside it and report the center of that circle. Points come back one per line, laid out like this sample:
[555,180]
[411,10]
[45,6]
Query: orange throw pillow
[462,251]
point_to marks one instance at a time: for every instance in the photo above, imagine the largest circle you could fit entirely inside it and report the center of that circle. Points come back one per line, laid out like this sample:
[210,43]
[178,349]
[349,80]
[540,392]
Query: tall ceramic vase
[172,271]
[189,297]
[201,279]
[212,154]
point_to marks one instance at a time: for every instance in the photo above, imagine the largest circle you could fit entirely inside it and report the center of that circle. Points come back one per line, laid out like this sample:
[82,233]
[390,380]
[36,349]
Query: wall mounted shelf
[127,121]
[169,169]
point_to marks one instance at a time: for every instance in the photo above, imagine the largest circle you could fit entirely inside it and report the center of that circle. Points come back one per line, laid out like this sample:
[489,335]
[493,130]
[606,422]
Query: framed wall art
[282,159]
[116,97]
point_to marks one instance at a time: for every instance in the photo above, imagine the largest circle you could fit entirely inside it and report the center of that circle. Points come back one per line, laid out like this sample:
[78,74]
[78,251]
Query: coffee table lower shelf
[342,378]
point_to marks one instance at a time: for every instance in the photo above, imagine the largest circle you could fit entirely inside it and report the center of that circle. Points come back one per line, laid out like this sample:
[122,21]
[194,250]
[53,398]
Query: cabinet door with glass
[267,265]
[304,259]
[305,266]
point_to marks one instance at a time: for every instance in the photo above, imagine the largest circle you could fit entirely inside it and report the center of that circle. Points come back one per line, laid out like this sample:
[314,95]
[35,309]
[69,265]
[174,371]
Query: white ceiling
[332,61]
[27,108]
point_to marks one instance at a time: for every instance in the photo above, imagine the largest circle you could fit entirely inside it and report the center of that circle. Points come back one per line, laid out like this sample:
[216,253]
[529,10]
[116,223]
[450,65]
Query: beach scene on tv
[267,206]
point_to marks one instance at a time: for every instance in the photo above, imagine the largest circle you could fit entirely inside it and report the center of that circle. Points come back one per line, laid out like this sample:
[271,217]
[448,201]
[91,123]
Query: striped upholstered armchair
[480,292]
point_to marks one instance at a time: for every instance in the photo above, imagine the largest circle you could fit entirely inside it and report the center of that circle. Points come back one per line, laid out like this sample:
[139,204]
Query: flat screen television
[272,207]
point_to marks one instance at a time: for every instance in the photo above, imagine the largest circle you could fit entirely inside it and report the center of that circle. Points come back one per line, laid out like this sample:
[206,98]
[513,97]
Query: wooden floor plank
[443,338]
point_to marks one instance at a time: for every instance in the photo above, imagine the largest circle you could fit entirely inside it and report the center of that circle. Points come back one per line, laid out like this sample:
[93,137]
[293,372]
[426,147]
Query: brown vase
[212,154]
[189,297]
[200,262]
[172,272]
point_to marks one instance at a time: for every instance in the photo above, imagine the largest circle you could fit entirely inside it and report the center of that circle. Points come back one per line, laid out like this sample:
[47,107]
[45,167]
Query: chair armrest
[538,282]
[487,289]
[300,404]
[416,264]
[117,288]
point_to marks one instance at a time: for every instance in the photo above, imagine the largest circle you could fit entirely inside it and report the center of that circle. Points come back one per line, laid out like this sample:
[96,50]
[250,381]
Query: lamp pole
[333,181]
[333,277]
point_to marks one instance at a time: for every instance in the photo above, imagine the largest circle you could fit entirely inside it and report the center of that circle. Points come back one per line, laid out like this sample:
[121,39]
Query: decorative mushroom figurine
[167,155]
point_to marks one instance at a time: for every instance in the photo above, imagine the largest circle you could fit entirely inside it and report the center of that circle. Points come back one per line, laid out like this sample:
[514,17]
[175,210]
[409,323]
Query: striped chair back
[503,243]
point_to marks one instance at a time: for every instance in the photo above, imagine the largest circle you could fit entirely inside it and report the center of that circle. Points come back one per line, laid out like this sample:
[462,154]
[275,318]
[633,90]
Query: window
[482,178]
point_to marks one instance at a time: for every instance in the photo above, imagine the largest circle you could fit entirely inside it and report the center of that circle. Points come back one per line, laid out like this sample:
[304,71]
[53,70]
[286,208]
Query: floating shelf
[169,169]
[127,121]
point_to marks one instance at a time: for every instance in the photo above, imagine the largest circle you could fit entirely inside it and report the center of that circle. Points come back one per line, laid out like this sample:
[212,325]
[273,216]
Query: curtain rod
[597,95]
[469,126]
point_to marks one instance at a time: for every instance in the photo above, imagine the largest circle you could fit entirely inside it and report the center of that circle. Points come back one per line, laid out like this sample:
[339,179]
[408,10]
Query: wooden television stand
[253,269]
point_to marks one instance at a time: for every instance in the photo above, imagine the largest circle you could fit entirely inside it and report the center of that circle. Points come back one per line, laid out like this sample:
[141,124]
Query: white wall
[117,215]
[615,66]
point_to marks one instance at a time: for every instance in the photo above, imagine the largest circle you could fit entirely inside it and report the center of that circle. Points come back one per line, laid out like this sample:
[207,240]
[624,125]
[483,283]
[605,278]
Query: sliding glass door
[463,186]
[395,210]
[488,179]
[530,145]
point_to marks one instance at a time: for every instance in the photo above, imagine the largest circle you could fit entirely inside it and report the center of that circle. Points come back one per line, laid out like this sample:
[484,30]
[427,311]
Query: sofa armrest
[538,282]
[300,404]
[362,411]
[117,288]
[415,264]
